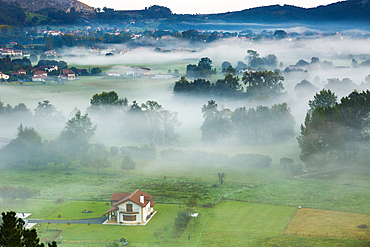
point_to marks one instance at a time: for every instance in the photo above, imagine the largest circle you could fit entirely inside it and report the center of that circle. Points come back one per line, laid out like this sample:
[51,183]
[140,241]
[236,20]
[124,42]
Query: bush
[182,220]
[286,162]
[253,160]
[59,215]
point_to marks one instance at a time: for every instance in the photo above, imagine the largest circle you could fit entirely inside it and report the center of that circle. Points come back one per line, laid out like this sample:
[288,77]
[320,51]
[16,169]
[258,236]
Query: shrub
[182,220]
[59,215]
[254,160]
[286,162]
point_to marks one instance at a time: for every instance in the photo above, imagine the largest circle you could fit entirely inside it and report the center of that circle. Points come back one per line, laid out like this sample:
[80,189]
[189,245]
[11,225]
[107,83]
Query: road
[99,220]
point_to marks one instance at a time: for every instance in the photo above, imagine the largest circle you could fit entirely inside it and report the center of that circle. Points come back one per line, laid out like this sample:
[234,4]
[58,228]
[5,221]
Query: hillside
[65,5]
[351,10]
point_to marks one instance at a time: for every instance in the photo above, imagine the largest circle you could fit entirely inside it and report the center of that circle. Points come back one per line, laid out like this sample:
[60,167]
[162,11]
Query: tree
[77,133]
[26,148]
[128,164]
[325,98]
[114,150]
[225,65]
[230,70]
[96,71]
[33,57]
[280,34]
[263,83]
[107,101]
[152,111]
[181,221]
[47,111]
[221,177]
[240,65]
[13,233]
[216,124]
[12,230]
[97,158]
[169,122]
[286,162]
[202,70]
[253,58]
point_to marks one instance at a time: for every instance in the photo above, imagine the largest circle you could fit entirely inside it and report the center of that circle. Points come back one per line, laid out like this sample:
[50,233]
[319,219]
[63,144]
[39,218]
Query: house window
[129,207]
[129,217]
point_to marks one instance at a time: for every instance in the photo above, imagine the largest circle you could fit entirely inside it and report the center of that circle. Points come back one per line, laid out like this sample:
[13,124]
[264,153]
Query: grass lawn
[335,224]
[54,184]
[239,224]
[161,222]
[310,194]
[40,209]
[73,210]
[358,176]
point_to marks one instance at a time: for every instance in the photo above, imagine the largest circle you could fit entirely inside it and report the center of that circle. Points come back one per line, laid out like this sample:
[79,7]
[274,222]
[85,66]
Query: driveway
[99,220]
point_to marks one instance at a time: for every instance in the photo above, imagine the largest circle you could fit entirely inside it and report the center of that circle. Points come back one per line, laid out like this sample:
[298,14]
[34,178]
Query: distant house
[111,73]
[50,53]
[135,208]
[68,74]
[20,72]
[138,72]
[17,53]
[40,76]
[4,76]
[49,68]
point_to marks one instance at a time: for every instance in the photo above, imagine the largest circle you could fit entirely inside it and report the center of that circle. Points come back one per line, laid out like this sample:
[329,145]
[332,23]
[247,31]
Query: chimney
[142,199]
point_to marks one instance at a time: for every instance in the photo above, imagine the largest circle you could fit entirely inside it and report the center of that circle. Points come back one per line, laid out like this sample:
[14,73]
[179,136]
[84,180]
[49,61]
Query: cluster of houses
[6,51]
[41,73]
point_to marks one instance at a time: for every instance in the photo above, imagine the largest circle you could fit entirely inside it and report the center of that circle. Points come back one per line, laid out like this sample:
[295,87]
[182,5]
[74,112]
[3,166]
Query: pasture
[328,223]
[259,218]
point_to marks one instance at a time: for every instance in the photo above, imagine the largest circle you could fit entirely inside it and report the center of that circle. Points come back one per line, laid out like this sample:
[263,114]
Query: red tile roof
[133,197]
[118,196]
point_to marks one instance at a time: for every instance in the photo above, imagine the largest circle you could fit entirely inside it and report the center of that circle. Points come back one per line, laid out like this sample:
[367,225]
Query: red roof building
[135,208]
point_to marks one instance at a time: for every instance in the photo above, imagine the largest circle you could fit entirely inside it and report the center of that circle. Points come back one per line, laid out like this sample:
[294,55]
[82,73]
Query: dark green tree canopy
[263,83]
[325,98]
[106,101]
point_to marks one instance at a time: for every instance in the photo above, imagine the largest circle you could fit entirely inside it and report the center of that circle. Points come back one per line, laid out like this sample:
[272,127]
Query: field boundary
[290,218]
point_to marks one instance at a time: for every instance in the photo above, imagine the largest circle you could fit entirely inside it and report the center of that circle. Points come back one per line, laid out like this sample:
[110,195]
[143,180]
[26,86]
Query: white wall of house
[135,208]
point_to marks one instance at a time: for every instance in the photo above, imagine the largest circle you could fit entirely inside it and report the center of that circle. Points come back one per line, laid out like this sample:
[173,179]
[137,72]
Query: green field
[229,223]
[258,202]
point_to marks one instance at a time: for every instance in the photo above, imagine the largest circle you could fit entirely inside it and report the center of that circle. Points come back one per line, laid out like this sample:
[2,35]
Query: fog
[339,50]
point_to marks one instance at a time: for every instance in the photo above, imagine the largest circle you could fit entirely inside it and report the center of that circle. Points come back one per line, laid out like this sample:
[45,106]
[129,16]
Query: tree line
[254,125]
[253,84]
[335,132]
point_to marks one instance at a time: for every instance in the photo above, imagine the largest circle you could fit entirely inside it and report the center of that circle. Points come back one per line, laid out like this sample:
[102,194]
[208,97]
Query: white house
[134,208]
[40,76]
[111,73]
[4,76]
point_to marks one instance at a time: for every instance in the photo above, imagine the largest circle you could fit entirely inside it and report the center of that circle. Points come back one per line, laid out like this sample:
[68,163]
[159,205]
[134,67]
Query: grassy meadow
[335,224]
[258,205]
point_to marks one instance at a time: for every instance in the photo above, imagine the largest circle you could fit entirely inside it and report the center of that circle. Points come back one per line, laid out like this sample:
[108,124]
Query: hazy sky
[201,6]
